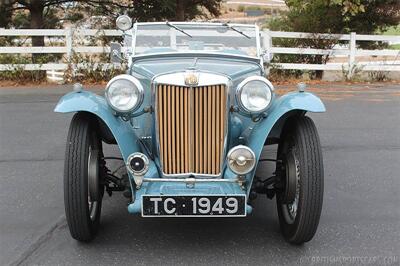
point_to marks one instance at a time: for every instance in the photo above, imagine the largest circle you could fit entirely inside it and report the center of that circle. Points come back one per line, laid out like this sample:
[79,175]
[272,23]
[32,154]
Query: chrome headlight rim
[239,90]
[120,26]
[136,83]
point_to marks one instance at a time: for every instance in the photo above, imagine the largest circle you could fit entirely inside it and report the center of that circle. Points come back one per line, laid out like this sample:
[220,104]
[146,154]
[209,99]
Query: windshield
[195,37]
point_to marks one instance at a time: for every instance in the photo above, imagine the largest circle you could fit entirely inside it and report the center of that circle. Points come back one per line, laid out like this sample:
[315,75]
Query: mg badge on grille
[191,79]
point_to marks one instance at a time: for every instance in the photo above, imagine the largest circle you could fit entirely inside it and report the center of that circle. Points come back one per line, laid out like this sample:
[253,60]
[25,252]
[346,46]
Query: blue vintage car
[191,117]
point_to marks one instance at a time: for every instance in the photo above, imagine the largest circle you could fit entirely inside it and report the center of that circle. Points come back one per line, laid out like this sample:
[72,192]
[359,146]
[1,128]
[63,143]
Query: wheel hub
[93,182]
[291,178]
[93,175]
[291,195]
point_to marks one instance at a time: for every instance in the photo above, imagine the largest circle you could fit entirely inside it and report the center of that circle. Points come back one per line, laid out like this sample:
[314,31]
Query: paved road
[360,135]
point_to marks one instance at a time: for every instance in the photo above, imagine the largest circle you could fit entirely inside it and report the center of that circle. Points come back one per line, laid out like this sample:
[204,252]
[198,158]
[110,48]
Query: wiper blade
[178,29]
[234,29]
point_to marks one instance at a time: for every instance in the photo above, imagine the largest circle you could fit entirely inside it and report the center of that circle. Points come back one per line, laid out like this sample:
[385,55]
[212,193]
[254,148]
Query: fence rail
[350,50]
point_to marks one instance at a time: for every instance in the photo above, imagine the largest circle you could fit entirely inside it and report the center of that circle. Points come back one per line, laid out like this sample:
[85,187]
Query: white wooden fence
[67,34]
[350,51]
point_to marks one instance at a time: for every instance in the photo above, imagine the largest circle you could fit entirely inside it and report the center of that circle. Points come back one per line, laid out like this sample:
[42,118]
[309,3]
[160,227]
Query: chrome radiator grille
[191,128]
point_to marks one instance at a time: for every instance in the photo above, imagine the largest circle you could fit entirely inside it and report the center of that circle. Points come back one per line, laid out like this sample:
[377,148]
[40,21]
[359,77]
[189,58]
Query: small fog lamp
[138,165]
[241,160]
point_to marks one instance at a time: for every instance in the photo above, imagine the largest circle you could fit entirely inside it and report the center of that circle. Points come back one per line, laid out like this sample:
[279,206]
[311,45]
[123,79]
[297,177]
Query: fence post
[267,45]
[69,42]
[352,54]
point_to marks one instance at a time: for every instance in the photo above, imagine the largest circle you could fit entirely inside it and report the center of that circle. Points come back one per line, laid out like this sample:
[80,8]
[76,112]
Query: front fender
[85,101]
[301,101]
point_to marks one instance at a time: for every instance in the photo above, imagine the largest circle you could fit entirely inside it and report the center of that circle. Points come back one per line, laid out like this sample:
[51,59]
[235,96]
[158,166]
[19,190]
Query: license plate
[189,206]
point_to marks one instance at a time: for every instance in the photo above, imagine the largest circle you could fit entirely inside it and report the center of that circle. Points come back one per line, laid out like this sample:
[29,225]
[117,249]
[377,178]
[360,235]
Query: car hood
[235,67]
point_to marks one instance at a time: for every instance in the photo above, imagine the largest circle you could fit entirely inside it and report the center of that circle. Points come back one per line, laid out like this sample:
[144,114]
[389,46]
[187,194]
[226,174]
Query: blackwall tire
[300,139]
[83,215]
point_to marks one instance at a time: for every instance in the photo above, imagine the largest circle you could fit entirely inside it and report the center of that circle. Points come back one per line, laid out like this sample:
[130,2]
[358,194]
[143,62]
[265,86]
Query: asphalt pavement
[360,222]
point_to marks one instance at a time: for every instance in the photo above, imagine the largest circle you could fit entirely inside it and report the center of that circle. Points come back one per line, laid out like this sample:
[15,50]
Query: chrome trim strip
[197,175]
[258,43]
[205,79]
[134,39]
[193,53]
[192,180]
[178,79]
[195,23]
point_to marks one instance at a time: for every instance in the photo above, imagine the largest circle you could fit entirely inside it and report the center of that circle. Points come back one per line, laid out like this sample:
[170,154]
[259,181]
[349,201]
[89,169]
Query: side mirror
[115,54]
[124,23]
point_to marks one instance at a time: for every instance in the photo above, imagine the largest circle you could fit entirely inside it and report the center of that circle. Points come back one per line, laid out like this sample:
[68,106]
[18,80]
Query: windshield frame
[256,28]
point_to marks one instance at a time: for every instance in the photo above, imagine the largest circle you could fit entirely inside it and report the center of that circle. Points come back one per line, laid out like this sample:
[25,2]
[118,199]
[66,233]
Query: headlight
[254,94]
[124,93]
[124,22]
[241,160]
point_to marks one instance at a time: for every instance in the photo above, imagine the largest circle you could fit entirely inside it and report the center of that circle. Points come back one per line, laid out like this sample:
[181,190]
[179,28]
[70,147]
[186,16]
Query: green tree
[43,14]
[178,10]
[332,16]
[376,15]
[342,16]
[188,9]
[142,10]
[6,14]
[152,10]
